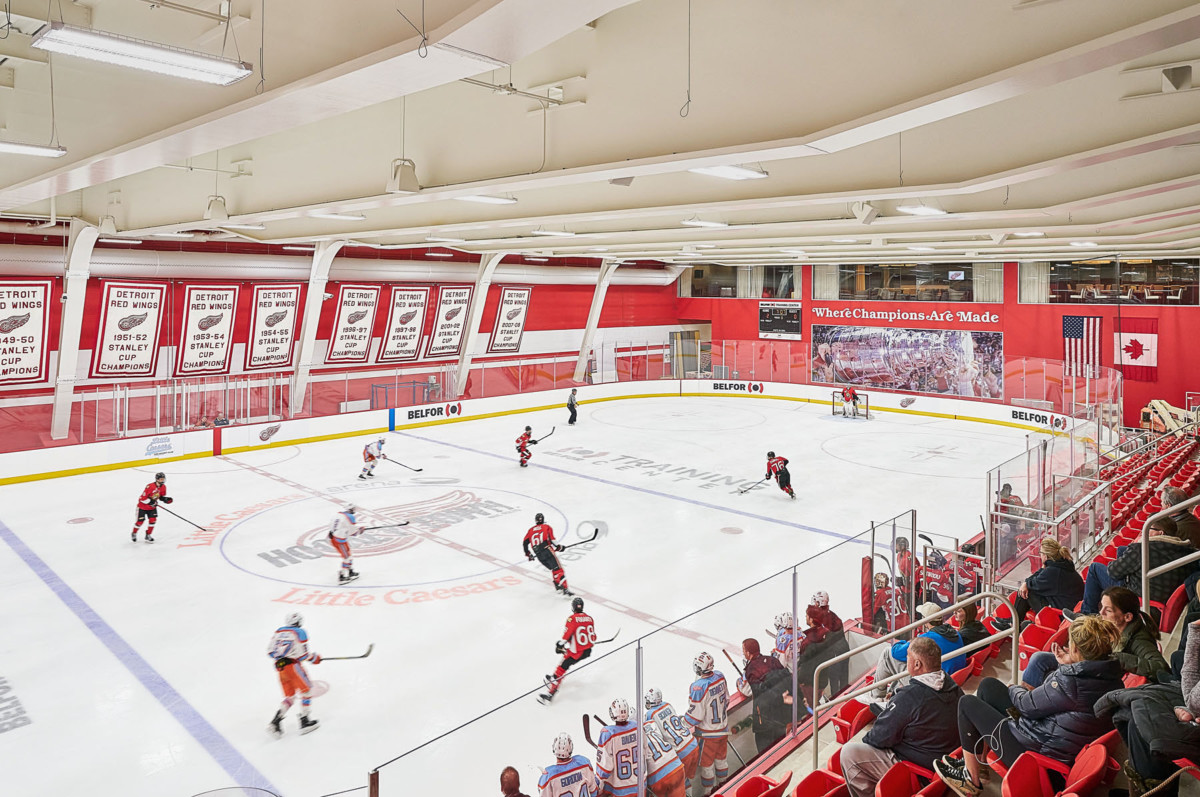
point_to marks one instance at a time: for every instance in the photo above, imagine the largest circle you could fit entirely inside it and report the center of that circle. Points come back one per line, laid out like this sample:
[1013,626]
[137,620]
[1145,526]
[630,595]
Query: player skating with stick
[147,508]
[777,467]
[372,453]
[576,645]
[289,649]
[523,443]
[345,526]
[539,542]
[570,774]
[849,401]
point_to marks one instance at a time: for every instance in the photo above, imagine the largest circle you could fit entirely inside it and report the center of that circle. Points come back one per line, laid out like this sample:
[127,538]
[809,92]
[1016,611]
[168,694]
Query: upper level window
[779,282]
[1106,281]
[911,282]
[709,279]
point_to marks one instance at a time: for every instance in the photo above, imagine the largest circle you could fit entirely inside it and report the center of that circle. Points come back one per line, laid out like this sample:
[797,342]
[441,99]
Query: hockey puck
[80,520]
[731,530]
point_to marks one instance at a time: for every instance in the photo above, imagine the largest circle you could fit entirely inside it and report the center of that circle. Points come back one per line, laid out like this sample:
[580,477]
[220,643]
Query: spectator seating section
[1028,776]
[821,783]
[906,779]
[852,716]
[762,786]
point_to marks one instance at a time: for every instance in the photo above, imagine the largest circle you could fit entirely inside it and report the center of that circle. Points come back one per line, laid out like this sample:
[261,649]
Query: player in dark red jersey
[849,400]
[523,443]
[148,505]
[777,467]
[539,542]
[575,646]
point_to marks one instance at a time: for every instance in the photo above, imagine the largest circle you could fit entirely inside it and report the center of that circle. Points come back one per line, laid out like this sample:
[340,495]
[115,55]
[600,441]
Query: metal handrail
[1146,571]
[1014,632]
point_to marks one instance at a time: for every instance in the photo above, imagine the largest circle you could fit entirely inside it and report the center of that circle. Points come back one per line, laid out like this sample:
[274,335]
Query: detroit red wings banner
[206,336]
[130,321]
[273,326]
[406,322]
[450,322]
[510,320]
[350,340]
[24,325]
[1135,348]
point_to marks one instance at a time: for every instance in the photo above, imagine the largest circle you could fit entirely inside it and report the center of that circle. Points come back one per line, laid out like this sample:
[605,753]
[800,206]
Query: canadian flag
[1135,348]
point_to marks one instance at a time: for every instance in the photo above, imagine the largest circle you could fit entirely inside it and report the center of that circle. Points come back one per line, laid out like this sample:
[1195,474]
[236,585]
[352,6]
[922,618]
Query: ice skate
[307,725]
[346,578]
[134,537]
[545,697]
[149,538]
[276,726]
[362,476]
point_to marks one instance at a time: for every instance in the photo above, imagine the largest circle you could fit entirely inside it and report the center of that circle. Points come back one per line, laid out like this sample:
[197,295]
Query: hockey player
[664,773]
[786,637]
[570,774]
[708,701]
[523,443]
[777,467]
[147,506]
[676,733]
[849,401]
[343,527]
[289,649]
[539,542]
[575,646]
[372,453]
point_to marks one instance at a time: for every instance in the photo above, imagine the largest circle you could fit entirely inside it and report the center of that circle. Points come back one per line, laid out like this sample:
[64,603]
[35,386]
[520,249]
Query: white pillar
[81,241]
[483,281]
[607,269]
[318,276]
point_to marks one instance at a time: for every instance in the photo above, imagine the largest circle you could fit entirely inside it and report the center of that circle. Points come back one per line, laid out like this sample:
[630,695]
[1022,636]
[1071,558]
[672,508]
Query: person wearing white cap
[894,659]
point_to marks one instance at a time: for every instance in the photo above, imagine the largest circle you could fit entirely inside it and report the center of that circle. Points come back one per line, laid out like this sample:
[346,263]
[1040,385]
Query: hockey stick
[540,439]
[401,464]
[587,729]
[386,526]
[751,487]
[181,517]
[595,534]
[370,647]
[734,663]
[610,639]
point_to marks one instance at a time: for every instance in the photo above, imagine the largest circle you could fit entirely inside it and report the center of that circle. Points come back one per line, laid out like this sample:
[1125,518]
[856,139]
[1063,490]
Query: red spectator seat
[903,781]
[1173,610]
[851,718]
[1049,617]
[821,783]
[1027,777]
[979,659]
[961,676]
[762,786]
[1034,638]
[1133,679]
[834,764]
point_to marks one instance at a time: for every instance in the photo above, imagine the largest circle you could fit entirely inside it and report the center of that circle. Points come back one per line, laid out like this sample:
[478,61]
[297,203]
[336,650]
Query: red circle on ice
[80,520]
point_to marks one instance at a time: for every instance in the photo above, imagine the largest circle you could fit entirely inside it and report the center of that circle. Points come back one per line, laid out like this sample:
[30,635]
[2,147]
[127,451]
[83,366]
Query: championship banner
[406,321]
[450,322]
[273,326]
[350,341]
[510,320]
[130,321]
[24,326]
[206,337]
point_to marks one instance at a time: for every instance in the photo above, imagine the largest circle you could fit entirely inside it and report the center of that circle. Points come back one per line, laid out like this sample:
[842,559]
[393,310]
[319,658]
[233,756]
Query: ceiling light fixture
[553,233]
[439,254]
[730,172]
[865,212]
[442,239]
[243,226]
[1030,234]
[334,215]
[172,235]
[922,249]
[404,177]
[920,210]
[484,199]
[216,210]
[40,150]
[1084,243]
[298,248]
[162,59]
[118,240]
[845,240]
[538,259]
[702,223]
[597,248]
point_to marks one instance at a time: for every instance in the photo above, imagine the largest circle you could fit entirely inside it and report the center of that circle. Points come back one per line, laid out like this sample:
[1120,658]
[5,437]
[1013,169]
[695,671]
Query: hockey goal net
[864,404]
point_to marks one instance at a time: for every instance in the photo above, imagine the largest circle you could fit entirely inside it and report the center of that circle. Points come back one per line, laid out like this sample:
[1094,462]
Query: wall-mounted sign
[450,322]
[24,324]
[406,321]
[206,337]
[510,320]
[350,340]
[780,320]
[273,326]
[130,320]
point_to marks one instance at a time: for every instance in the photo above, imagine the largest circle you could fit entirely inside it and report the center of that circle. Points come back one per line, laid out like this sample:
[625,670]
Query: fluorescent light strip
[702,223]
[338,216]
[439,254]
[162,59]
[538,259]
[243,226]
[298,248]
[487,200]
[172,235]
[118,240]
[444,240]
[730,172]
[17,148]
[554,233]
[1028,234]
[922,249]
[920,210]
[845,240]
[1084,243]
[597,248]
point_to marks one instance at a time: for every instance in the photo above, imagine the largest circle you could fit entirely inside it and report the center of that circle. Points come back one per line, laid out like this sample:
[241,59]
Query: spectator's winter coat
[1137,651]
[1056,717]
[920,724]
[1127,569]
[947,639]
[1191,675]
[973,632]
[1152,709]
[1056,584]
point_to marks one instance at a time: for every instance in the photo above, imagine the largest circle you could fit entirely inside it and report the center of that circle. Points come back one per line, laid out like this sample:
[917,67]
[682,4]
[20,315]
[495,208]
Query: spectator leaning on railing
[969,627]
[1126,570]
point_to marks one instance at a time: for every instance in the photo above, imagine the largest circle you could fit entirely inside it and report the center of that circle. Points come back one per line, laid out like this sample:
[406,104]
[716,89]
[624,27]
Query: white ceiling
[1042,115]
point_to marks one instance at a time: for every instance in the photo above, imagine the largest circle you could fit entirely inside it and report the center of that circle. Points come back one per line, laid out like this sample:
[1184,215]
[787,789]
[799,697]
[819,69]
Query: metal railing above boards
[1147,573]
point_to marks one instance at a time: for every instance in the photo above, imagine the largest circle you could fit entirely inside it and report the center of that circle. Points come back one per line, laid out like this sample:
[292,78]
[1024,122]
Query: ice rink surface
[142,669]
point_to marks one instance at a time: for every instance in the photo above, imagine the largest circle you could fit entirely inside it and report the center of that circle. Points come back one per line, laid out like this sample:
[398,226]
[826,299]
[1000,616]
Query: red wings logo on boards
[453,313]
[356,316]
[14,322]
[407,317]
[907,401]
[130,321]
[269,432]
[209,321]
[275,318]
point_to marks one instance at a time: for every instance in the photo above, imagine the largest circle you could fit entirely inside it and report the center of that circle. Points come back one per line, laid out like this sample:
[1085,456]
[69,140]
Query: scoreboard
[780,320]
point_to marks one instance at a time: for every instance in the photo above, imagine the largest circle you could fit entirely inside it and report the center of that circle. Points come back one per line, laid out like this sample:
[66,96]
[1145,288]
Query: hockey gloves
[168,500]
[560,647]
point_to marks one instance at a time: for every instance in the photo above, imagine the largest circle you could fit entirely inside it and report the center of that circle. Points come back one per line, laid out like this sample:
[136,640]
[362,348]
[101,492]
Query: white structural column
[607,269]
[80,242]
[483,280]
[318,276]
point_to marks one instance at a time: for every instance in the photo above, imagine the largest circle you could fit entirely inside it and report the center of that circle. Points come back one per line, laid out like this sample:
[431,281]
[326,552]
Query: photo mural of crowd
[945,361]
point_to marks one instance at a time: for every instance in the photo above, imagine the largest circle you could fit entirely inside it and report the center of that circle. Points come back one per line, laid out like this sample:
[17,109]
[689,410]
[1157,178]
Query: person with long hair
[1056,584]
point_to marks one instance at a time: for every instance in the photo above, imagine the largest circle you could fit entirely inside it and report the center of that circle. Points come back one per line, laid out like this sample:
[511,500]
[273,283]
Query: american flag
[1081,345]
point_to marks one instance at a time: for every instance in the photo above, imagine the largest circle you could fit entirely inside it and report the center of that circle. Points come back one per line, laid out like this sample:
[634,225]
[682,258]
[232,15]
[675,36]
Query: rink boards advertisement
[510,321]
[130,322]
[273,326]
[24,327]
[450,322]
[206,337]
[350,339]
[406,322]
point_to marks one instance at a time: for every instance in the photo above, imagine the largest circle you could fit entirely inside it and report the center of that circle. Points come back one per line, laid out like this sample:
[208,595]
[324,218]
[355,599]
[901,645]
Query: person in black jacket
[1056,584]
[1055,719]
[1126,569]
[917,726]
[765,680]
[969,627]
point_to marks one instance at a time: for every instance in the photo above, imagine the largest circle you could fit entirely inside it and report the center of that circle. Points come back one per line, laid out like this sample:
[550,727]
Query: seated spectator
[1126,569]
[892,659]
[1136,648]
[824,639]
[917,726]
[765,680]
[969,627]
[1056,583]
[1187,525]
[221,420]
[1054,719]
[510,783]
[204,424]
[1155,727]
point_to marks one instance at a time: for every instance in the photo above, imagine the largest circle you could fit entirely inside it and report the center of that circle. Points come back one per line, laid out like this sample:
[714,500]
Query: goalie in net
[849,403]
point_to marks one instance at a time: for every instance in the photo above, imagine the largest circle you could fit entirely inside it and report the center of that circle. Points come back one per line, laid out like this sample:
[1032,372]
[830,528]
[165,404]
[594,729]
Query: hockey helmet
[294,619]
[382,441]
[563,748]
[783,620]
[881,580]
[653,697]
[770,455]
[539,518]
[619,710]
[577,605]
[819,599]
[529,428]
[702,664]
[160,475]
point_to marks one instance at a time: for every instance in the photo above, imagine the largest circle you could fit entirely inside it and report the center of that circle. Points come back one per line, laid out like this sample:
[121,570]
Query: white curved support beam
[80,243]
[483,280]
[318,276]
[607,269]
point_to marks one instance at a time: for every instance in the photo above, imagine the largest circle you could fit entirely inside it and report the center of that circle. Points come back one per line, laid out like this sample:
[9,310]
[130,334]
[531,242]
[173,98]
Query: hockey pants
[713,766]
[549,560]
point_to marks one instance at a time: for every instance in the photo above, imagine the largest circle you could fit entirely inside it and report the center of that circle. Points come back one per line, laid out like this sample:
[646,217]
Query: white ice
[143,668]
